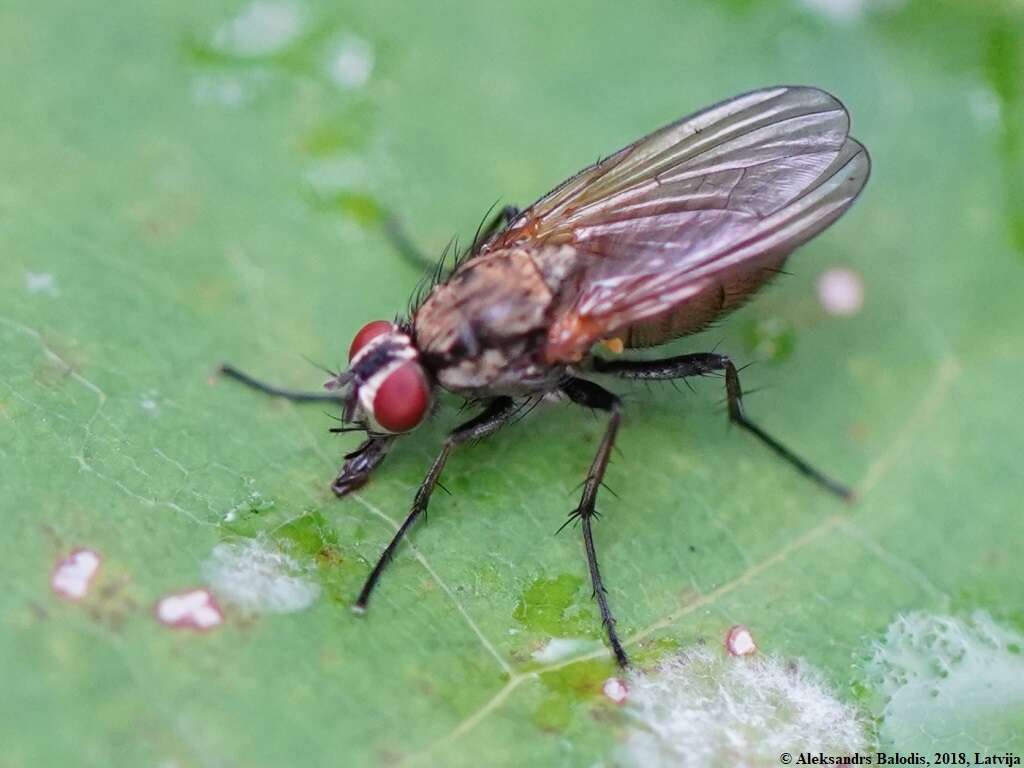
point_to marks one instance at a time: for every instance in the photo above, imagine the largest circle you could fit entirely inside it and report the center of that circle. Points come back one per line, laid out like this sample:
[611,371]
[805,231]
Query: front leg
[497,413]
[360,463]
[593,396]
[705,363]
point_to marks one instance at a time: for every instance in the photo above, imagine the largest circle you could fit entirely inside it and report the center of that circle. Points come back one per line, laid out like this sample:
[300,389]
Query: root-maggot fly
[652,243]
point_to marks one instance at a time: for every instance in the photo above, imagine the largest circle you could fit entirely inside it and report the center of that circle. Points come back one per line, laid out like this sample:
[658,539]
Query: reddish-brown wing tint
[694,208]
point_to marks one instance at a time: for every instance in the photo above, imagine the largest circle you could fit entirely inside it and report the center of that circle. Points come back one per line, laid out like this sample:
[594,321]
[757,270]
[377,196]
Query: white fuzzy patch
[257,577]
[558,648]
[841,291]
[946,671]
[704,708]
[73,575]
[42,284]
[262,28]
[350,62]
[194,609]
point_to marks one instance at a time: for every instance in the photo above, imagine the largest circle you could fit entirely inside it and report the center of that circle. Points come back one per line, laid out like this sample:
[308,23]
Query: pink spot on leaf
[73,575]
[739,641]
[192,609]
[616,690]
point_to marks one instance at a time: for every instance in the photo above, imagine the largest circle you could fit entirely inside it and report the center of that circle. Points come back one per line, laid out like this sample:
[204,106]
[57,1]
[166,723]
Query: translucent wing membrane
[694,207]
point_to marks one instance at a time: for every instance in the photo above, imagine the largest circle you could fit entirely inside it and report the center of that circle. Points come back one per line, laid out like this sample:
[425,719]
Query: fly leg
[705,363]
[360,463]
[497,413]
[591,395]
[296,396]
[409,251]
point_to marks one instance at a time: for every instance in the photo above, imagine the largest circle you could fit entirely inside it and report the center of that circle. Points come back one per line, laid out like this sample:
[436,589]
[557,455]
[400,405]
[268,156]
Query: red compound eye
[368,333]
[402,400]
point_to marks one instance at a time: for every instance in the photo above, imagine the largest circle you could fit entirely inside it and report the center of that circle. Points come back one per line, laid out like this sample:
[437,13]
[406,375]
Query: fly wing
[661,221]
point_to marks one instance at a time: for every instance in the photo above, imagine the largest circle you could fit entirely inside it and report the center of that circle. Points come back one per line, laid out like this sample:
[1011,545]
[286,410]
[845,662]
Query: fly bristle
[462,255]
[526,408]
[438,272]
[434,275]
[319,367]
[480,227]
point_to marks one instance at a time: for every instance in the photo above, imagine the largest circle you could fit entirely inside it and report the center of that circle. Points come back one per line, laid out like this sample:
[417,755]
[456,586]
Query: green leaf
[183,183]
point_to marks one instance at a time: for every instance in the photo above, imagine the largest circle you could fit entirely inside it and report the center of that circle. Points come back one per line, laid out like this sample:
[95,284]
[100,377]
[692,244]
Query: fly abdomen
[722,296]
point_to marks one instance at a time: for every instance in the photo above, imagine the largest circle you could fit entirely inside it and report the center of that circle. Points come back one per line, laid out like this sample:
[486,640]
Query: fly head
[386,387]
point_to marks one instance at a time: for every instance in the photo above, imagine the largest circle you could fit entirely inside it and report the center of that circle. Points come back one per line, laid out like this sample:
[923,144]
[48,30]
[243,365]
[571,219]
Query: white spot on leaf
[73,575]
[41,284]
[254,501]
[350,62]
[148,402]
[985,106]
[194,609]
[841,291]
[702,708]
[262,28]
[338,174]
[558,648]
[221,90]
[847,11]
[257,577]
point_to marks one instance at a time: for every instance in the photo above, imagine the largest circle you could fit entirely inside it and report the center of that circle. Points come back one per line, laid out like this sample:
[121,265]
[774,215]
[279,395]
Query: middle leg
[591,395]
[497,413]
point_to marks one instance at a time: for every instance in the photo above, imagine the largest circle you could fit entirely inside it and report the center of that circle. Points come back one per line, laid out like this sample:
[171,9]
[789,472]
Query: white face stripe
[368,393]
[368,389]
[394,336]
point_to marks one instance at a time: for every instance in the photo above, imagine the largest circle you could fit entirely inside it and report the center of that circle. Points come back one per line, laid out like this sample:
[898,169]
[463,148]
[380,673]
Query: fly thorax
[556,264]
[479,327]
[490,300]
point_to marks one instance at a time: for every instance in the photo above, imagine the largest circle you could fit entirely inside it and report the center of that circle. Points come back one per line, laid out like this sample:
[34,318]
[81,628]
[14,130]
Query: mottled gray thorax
[481,331]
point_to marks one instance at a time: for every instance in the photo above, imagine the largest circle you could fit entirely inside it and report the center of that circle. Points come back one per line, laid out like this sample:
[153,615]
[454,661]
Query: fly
[650,244]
